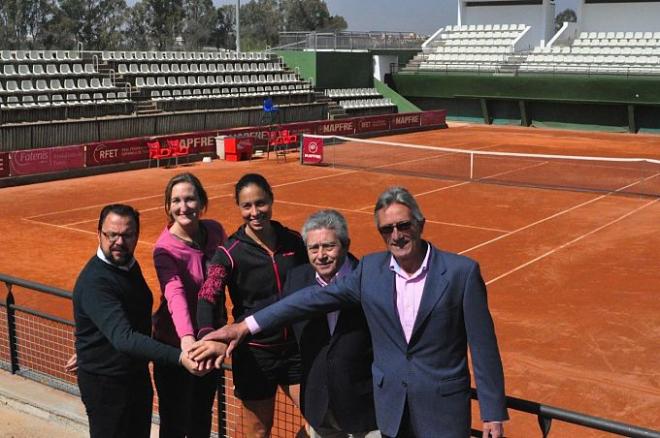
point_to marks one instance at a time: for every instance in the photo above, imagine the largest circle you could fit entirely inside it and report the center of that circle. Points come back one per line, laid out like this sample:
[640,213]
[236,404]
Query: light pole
[238,26]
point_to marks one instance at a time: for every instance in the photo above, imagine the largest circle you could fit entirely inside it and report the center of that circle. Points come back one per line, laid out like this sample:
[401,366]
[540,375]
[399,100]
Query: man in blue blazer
[424,307]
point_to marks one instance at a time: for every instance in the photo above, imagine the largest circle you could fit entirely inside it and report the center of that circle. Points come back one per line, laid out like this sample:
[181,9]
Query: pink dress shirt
[181,272]
[409,289]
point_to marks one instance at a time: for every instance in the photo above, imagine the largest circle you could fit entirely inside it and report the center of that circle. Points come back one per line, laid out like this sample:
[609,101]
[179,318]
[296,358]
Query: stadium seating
[357,100]
[115,82]
[600,52]
[471,47]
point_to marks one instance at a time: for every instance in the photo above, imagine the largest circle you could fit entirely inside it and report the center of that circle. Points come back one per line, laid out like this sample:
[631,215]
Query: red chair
[178,150]
[157,152]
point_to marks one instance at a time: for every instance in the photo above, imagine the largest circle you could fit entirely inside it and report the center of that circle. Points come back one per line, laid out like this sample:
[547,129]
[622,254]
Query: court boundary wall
[597,102]
[37,165]
[35,345]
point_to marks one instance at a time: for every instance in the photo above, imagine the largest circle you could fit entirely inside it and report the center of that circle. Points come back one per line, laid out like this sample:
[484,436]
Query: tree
[97,24]
[198,23]
[137,28]
[223,33]
[164,19]
[23,23]
[568,15]
[260,24]
[310,15]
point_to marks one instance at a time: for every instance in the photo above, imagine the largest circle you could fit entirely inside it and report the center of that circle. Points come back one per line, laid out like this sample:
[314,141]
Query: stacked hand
[218,345]
[192,366]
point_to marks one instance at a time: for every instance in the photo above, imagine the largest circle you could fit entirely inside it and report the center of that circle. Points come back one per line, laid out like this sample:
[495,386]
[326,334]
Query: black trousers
[185,402]
[117,407]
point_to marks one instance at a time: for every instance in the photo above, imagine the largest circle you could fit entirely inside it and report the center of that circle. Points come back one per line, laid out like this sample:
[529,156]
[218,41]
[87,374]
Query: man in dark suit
[337,395]
[424,306]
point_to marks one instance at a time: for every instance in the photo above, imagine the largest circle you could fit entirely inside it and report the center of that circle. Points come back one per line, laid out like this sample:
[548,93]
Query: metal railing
[36,345]
[349,40]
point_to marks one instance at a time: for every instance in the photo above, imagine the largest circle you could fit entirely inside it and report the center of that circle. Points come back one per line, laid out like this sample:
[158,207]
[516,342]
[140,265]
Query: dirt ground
[572,276]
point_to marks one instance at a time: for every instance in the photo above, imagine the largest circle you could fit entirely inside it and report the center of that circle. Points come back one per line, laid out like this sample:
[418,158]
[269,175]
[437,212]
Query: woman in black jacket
[253,265]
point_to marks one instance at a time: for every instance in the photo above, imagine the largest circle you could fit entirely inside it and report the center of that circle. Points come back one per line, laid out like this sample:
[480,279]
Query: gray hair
[327,219]
[400,195]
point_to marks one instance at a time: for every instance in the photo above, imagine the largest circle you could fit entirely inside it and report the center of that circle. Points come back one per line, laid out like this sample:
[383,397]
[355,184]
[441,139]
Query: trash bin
[220,146]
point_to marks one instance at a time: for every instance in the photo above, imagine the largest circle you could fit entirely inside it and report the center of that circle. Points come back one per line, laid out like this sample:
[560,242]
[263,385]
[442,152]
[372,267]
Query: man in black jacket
[112,310]
[337,393]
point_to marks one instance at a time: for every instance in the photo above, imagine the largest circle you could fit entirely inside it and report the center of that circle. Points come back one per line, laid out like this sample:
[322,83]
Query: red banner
[46,160]
[197,142]
[312,150]
[408,120]
[301,128]
[372,124]
[336,127]
[115,152]
[4,164]
[430,118]
[259,135]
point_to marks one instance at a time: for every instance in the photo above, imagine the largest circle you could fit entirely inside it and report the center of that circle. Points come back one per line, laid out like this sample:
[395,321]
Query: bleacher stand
[362,101]
[600,52]
[474,47]
[60,85]
[57,85]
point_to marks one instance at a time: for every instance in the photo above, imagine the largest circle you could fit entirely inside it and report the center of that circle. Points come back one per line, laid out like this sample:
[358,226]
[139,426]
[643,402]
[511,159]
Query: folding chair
[178,150]
[157,152]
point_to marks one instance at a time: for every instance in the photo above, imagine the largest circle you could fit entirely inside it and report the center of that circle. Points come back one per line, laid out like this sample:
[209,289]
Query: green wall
[332,69]
[403,104]
[574,88]
[305,61]
[344,70]
[607,102]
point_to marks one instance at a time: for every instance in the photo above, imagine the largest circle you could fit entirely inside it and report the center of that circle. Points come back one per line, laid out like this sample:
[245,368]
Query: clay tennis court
[572,275]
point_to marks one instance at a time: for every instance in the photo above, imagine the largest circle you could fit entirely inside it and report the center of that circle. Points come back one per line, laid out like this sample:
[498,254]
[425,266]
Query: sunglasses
[400,226]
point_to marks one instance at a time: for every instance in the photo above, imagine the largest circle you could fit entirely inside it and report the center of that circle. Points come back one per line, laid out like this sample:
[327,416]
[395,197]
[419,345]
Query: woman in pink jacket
[181,256]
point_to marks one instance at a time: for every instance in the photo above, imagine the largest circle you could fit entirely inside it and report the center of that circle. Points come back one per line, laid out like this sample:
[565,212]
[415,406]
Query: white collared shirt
[127,267]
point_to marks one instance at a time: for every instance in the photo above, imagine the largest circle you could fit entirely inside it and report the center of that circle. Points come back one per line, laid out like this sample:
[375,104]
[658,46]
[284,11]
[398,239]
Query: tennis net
[636,176]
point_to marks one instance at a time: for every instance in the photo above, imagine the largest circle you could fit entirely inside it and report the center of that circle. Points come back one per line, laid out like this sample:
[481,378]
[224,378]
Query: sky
[421,16]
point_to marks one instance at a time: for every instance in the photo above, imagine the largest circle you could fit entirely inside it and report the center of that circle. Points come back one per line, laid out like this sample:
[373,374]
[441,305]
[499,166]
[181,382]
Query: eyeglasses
[329,246]
[113,237]
[400,226]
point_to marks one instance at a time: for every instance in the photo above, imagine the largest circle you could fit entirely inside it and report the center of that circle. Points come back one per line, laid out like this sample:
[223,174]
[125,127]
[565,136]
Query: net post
[11,330]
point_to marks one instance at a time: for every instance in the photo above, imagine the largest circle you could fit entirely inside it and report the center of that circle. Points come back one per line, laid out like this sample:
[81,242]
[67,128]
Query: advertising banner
[115,152]
[409,120]
[4,164]
[197,142]
[46,160]
[373,124]
[301,128]
[432,118]
[312,150]
[336,127]
[259,135]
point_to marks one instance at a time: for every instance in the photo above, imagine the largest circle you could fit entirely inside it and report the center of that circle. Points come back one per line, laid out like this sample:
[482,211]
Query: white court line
[31,218]
[64,227]
[426,177]
[142,210]
[577,239]
[348,210]
[559,213]
[123,201]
